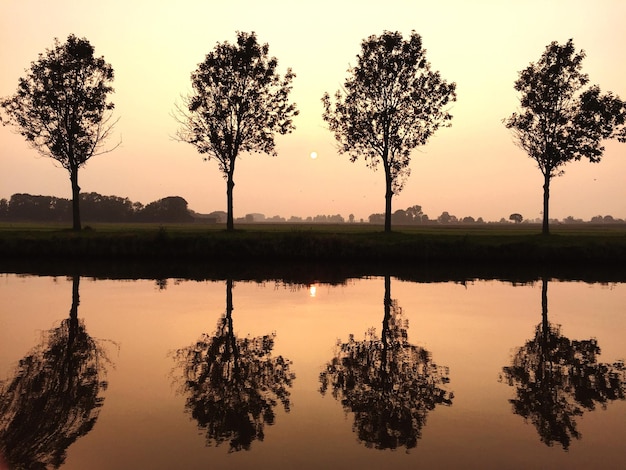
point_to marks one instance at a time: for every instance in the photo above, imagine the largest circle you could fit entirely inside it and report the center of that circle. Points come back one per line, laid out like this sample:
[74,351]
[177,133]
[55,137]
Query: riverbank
[451,249]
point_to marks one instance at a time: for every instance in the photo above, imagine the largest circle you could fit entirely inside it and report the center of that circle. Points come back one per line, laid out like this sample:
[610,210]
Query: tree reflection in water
[54,396]
[233,384]
[389,384]
[557,379]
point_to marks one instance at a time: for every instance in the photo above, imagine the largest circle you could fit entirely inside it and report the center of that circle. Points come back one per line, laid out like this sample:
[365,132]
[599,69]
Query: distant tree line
[22,207]
[94,208]
[415,216]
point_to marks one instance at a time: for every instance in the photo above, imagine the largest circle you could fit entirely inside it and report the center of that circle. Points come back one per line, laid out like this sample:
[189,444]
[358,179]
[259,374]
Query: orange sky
[472,168]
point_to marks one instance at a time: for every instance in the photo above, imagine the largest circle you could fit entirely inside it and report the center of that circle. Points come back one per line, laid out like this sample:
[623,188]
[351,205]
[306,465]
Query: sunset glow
[471,169]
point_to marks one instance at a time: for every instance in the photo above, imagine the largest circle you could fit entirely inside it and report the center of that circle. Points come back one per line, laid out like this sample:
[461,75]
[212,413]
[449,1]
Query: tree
[168,209]
[61,108]
[561,118]
[391,103]
[517,218]
[233,384]
[4,209]
[556,379]
[376,219]
[400,217]
[416,215]
[99,208]
[54,396]
[238,103]
[446,218]
[389,384]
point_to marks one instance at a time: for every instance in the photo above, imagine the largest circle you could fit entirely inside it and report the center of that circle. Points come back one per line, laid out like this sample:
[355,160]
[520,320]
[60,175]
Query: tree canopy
[61,107]
[238,103]
[391,103]
[54,396]
[563,118]
[233,384]
[557,379]
[388,384]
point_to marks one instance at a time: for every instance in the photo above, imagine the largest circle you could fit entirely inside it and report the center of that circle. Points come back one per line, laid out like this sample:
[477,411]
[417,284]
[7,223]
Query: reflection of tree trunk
[73,325]
[386,333]
[72,333]
[544,306]
[54,397]
[233,384]
[545,330]
[389,384]
[556,379]
[230,332]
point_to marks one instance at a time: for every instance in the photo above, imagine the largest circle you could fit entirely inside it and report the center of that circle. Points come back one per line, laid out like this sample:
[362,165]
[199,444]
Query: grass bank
[519,244]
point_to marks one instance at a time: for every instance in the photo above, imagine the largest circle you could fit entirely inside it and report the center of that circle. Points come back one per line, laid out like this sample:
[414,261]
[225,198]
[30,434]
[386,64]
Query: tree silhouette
[391,103]
[233,384]
[557,379]
[561,121]
[61,107]
[389,384]
[238,103]
[54,396]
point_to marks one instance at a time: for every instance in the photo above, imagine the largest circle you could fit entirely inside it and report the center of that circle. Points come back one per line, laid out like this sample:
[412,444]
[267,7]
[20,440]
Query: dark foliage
[388,384]
[557,379]
[54,396]
[61,107]
[95,208]
[562,118]
[391,103]
[233,384]
[238,103]
[169,209]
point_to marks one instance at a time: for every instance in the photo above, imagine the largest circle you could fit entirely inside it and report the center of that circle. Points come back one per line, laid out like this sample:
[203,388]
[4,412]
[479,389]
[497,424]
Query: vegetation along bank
[519,244]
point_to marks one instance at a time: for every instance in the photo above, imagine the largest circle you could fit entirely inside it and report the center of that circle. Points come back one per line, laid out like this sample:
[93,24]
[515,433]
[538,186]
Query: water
[220,374]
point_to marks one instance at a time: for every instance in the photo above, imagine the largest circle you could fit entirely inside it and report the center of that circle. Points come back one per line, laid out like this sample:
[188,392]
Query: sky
[472,168]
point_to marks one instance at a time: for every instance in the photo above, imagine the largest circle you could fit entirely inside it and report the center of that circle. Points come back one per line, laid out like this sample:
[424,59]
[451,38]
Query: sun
[313,155]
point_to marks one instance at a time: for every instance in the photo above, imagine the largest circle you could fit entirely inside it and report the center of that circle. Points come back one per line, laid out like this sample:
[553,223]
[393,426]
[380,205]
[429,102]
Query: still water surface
[373,373]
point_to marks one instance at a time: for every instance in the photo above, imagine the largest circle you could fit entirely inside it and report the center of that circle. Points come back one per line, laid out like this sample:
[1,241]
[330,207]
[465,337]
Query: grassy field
[609,230]
[318,241]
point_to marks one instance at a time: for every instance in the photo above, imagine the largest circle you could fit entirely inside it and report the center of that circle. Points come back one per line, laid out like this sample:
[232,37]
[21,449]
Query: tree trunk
[70,369]
[545,330]
[76,225]
[544,305]
[545,229]
[232,341]
[75,297]
[230,184]
[385,332]
[388,196]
